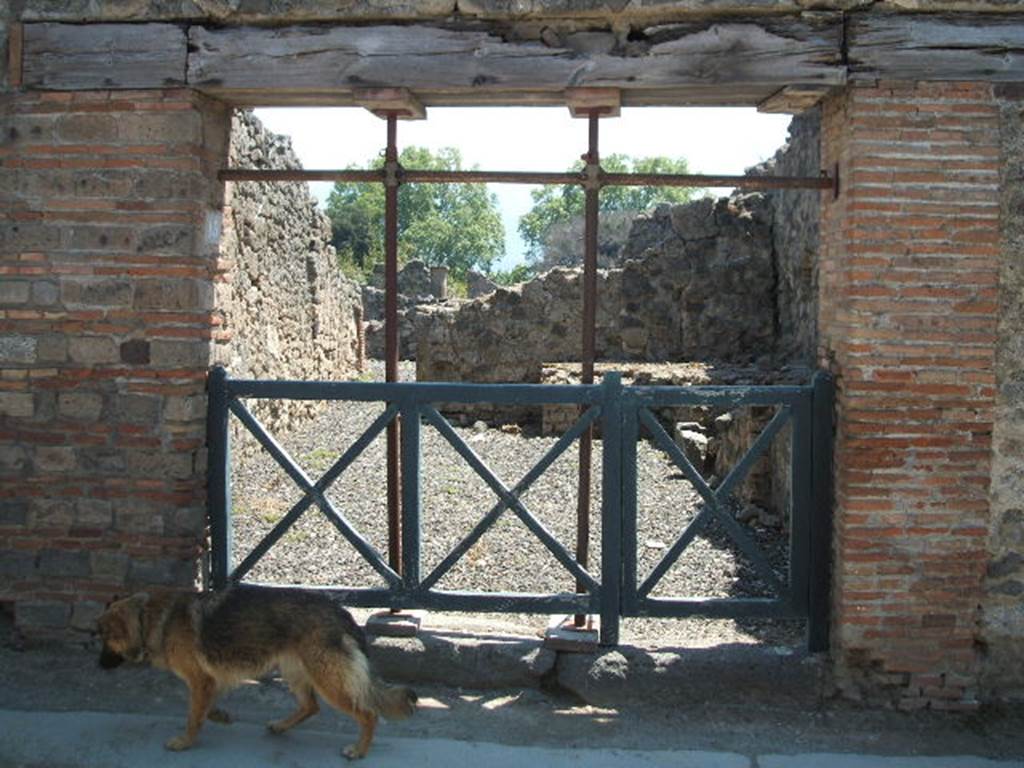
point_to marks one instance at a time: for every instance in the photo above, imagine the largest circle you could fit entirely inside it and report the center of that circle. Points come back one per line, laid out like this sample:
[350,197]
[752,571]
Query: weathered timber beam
[430,58]
[960,46]
[780,62]
[15,43]
[740,95]
[85,56]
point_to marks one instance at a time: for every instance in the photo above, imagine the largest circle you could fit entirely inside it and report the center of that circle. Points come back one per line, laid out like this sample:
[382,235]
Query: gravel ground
[507,558]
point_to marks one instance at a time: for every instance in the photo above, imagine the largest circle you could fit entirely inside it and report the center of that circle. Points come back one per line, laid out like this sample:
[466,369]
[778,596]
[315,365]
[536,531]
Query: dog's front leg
[202,689]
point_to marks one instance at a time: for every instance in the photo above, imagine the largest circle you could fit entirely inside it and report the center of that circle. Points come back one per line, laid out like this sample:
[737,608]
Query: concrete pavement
[116,740]
[501,700]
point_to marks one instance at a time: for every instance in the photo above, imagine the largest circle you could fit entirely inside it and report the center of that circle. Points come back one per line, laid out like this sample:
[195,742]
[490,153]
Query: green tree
[556,209]
[520,273]
[452,225]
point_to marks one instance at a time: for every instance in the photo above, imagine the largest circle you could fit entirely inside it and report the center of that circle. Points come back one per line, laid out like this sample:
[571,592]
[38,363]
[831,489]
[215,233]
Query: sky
[723,140]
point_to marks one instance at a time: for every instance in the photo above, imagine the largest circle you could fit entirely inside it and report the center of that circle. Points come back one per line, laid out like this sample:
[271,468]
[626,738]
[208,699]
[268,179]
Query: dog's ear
[138,600]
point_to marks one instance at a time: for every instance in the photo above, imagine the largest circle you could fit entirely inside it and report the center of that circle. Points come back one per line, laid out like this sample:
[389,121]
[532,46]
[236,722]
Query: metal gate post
[410,442]
[218,484]
[611,507]
[628,477]
[802,502]
[821,518]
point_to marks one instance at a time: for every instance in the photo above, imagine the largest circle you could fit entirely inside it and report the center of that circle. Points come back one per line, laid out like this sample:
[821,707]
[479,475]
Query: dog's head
[120,629]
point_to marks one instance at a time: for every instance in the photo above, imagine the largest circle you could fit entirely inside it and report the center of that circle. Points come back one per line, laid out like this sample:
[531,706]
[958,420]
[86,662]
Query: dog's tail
[369,692]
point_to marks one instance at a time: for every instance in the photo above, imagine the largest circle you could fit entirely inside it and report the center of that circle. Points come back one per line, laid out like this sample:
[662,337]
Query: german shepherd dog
[215,640]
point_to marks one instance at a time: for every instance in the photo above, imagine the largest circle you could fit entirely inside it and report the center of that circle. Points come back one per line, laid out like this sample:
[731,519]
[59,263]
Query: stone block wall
[910,271]
[108,261]
[289,310]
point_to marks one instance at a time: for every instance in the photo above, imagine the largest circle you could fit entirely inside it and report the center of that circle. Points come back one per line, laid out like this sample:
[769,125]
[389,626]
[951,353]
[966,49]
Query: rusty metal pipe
[295,174]
[413,176]
[394,490]
[702,180]
[592,191]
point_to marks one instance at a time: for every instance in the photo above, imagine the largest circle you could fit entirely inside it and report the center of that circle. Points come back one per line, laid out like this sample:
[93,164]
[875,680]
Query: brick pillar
[909,276]
[108,255]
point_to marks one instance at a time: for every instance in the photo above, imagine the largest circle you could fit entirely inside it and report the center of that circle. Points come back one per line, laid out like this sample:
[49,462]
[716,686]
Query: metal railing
[622,412]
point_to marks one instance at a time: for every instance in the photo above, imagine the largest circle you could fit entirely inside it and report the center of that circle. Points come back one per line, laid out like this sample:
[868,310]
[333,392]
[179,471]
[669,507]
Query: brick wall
[909,276]
[108,256]
[1002,626]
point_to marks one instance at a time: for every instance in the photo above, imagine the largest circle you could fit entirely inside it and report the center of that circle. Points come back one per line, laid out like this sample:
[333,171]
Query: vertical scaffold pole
[592,189]
[394,490]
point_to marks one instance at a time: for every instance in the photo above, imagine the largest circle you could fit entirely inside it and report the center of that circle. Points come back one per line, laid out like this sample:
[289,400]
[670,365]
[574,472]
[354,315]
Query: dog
[215,640]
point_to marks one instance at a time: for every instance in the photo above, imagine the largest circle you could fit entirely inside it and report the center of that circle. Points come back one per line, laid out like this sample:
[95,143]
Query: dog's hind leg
[344,690]
[338,698]
[202,689]
[303,690]
[218,715]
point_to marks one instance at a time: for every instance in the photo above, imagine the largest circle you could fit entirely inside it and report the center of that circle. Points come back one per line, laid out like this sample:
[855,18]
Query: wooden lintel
[768,54]
[104,56]
[583,102]
[15,44]
[793,99]
[384,102]
[726,60]
[939,46]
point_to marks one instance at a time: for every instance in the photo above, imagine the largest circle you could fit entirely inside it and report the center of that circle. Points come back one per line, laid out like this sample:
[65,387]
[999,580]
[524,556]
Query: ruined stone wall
[505,336]
[418,285]
[699,288]
[732,280]
[795,240]
[288,308]
[1003,613]
[698,283]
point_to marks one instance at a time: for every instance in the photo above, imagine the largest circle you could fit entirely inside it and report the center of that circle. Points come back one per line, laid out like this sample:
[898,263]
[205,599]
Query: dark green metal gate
[623,414]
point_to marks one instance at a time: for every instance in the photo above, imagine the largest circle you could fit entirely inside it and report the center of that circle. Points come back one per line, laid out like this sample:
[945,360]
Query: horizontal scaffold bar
[412,176]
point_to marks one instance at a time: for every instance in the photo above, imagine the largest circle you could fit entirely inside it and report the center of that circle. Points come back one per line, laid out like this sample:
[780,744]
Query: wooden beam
[583,101]
[384,102]
[951,46]
[740,95]
[87,56]
[793,99]
[15,44]
[421,58]
[726,61]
